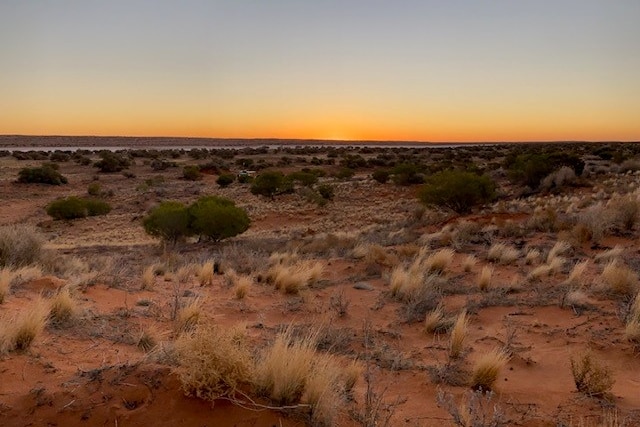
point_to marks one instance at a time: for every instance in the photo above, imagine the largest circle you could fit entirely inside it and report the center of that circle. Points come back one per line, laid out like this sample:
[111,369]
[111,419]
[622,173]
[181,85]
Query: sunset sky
[416,70]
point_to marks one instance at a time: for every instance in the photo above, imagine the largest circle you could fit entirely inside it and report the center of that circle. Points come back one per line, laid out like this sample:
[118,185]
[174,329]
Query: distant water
[233,147]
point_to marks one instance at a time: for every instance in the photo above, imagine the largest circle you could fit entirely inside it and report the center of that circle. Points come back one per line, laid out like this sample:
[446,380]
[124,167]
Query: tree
[270,184]
[217,218]
[46,174]
[169,220]
[225,180]
[111,162]
[457,190]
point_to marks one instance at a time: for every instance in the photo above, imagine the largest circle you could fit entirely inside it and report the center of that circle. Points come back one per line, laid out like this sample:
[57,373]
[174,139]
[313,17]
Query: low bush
[590,376]
[486,370]
[20,245]
[270,184]
[457,190]
[41,175]
[225,180]
[380,175]
[326,191]
[211,217]
[77,207]
[112,162]
[217,218]
[191,173]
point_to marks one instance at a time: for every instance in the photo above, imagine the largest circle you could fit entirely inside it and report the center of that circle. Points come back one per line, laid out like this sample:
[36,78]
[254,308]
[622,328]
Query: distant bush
[169,221]
[407,174]
[531,169]
[46,174]
[94,189]
[307,179]
[20,245]
[217,218]
[270,184]
[212,217]
[380,175]
[112,162]
[160,165]
[326,191]
[191,173]
[77,207]
[457,190]
[345,173]
[225,180]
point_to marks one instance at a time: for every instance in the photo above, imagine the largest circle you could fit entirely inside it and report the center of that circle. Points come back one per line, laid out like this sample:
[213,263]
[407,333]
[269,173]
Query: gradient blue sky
[350,69]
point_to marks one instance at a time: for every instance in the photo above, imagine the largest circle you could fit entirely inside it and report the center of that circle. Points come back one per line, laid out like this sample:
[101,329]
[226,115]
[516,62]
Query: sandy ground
[93,373]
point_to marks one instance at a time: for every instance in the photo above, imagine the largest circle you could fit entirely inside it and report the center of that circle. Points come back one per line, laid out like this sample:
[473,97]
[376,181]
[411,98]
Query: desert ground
[388,308]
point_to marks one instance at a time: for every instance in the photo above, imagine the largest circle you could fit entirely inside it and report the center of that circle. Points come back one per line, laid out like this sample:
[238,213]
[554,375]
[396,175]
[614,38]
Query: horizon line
[399,141]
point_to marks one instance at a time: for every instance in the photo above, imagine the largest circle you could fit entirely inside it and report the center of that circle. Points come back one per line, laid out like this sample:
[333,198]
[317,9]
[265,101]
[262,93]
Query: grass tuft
[18,334]
[487,368]
[458,337]
[590,376]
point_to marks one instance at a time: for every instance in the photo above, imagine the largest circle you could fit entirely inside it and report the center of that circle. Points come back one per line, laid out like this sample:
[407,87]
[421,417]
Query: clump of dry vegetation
[205,273]
[503,254]
[63,307]
[19,332]
[292,278]
[214,362]
[590,376]
[20,245]
[619,279]
[458,338]
[487,368]
[484,278]
[189,315]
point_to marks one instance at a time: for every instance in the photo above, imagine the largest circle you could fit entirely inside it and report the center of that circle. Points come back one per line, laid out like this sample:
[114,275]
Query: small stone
[363,286]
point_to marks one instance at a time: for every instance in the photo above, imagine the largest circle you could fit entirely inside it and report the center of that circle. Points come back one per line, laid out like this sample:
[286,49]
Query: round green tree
[457,190]
[217,218]
[169,221]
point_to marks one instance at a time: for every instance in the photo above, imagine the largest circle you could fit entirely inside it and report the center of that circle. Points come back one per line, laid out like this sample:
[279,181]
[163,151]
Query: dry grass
[350,375]
[439,261]
[26,274]
[149,278]
[575,276]
[557,250]
[590,376]
[632,331]
[619,279]
[503,254]
[487,368]
[18,334]
[435,321]
[539,271]
[484,278]
[6,279]
[20,245]
[147,340]
[189,316]
[214,362]
[205,275]
[610,254]
[323,391]
[458,337]
[242,286]
[469,262]
[556,264]
[63,308]
[532,256]
[283,370]
[291,279]
[374,254]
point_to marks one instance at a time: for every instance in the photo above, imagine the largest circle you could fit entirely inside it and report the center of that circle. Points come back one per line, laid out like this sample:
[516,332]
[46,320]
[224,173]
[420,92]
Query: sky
[407,70]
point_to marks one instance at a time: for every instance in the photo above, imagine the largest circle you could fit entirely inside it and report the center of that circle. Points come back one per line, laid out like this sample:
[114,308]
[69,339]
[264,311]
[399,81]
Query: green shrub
[531,169]
[97,207]
[326,191]
[457,190]
[306,179]
[94,189]
[212,217]
[191,173]
[244,178]
[380,175]
[46,174]
[112,162]
[270,184]
[345,173]
[169,221]
[77,207]
[217,218]
[407,174]
[225,180]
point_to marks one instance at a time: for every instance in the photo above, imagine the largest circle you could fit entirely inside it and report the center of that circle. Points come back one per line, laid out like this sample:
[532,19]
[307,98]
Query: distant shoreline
[37,141]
